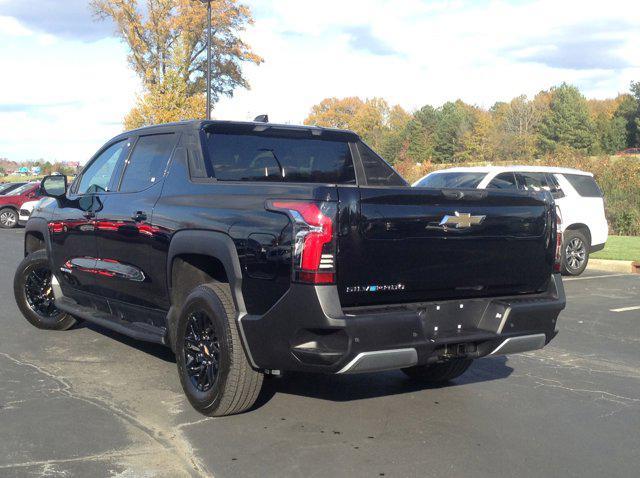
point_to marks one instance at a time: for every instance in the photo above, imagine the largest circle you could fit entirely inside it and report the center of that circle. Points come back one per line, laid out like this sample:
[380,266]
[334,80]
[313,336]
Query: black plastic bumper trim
[435,330]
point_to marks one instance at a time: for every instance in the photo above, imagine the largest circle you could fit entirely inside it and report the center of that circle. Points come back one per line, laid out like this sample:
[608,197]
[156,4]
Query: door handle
[139,216]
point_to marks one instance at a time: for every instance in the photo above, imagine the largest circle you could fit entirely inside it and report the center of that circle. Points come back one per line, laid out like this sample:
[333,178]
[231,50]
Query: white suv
[25,211]
[576,193]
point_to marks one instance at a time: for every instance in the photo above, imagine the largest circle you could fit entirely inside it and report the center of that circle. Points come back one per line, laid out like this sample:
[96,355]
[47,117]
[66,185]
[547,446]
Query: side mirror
[54,186]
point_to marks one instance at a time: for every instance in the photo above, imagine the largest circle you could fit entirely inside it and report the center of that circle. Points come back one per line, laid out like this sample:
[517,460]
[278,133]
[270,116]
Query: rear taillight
[314,245]
[557,266]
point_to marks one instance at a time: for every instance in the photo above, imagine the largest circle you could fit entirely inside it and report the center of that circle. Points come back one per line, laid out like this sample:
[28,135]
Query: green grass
[622,248]
[19,179]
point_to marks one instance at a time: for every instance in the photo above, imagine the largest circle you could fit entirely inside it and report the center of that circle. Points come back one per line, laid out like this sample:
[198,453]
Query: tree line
[166,40]
[555,120]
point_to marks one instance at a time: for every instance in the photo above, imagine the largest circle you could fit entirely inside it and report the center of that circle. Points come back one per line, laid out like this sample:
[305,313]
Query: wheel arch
[196,257]
[213,253]
[36,236]
[13,208]
[578,226]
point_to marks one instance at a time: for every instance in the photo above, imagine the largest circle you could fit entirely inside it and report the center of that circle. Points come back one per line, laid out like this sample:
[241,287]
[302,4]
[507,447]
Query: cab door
[131,258]
[72,227]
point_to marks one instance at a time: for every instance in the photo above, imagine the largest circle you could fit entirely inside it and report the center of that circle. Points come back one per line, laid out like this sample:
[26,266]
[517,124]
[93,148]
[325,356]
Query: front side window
[533,182]
[148,161]
[97,176]
[503,181]
[272,158]
[452,180]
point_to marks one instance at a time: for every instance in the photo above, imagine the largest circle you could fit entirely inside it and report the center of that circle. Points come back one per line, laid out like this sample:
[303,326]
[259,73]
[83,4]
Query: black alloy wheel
[39,293]
[33,288]
[213,367]
[201,351]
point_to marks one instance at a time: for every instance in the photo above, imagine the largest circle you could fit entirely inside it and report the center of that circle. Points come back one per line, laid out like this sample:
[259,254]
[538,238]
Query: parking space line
[596,277]
[625,309]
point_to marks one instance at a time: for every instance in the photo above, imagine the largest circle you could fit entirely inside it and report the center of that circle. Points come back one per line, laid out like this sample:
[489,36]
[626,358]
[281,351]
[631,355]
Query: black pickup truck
[255,248]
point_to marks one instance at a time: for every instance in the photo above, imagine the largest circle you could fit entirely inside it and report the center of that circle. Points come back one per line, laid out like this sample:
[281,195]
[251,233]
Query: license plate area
[451,317]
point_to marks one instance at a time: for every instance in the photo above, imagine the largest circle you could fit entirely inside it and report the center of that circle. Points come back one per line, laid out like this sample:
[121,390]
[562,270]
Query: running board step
[135,330]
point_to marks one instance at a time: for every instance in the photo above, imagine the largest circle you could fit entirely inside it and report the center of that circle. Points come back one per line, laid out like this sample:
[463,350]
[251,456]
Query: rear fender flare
[38,225]
[216,245]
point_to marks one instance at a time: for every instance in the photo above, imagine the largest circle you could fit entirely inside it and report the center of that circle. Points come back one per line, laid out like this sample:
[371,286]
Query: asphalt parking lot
[89,402]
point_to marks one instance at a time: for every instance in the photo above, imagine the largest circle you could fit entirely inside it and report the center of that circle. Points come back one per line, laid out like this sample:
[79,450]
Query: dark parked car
[11,202]
[253,248]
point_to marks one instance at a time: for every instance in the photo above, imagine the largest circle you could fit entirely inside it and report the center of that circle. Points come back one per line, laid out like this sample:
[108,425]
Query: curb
[629,267]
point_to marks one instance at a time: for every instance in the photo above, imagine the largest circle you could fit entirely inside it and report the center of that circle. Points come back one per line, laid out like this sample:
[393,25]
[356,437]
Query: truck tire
[575,253]
[213,367]
[8,218]
[439,372]
[34,295]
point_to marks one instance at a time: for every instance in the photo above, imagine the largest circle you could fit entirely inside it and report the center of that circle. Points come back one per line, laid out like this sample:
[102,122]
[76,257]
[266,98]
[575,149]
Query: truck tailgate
[398,245]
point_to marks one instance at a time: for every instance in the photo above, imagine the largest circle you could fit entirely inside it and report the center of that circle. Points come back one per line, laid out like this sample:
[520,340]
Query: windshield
[452,180]
[21,189]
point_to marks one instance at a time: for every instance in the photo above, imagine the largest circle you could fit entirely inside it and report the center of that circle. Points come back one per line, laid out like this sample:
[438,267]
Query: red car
[11,202]
[628,151]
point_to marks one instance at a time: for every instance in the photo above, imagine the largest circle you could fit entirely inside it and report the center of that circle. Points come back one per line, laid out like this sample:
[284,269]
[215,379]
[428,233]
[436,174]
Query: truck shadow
[343,388]
[157,350]
[337,388]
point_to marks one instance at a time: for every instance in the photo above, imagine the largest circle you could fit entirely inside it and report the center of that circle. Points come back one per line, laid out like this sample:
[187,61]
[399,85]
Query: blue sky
[65,85]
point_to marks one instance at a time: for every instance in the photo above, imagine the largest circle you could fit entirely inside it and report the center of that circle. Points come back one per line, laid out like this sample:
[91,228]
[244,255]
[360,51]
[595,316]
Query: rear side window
[272,158]
[376,170]
[148,161]
[195,160]
[586,186]
[533,181]
[554,187]
[503,181]
[452,180]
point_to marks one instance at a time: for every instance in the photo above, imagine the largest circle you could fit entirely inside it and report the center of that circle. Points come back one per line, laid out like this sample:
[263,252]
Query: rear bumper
[308,331]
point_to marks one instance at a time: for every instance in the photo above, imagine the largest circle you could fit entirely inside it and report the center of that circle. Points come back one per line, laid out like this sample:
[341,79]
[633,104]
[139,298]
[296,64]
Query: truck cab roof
[253,126]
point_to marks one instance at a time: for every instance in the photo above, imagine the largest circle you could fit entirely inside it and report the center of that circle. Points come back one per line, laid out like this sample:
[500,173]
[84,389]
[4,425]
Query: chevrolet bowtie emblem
[462,220]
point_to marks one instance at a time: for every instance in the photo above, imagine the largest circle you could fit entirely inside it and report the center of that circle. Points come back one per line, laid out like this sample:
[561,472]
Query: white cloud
[60,99]
[62,94]
[446,50]
[12,27]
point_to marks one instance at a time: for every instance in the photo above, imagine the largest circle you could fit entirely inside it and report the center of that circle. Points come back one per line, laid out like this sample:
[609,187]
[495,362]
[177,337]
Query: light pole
[208,2]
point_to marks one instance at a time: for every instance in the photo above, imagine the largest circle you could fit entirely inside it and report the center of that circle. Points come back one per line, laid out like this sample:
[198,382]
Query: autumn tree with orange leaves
[379,123]
[167,49]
